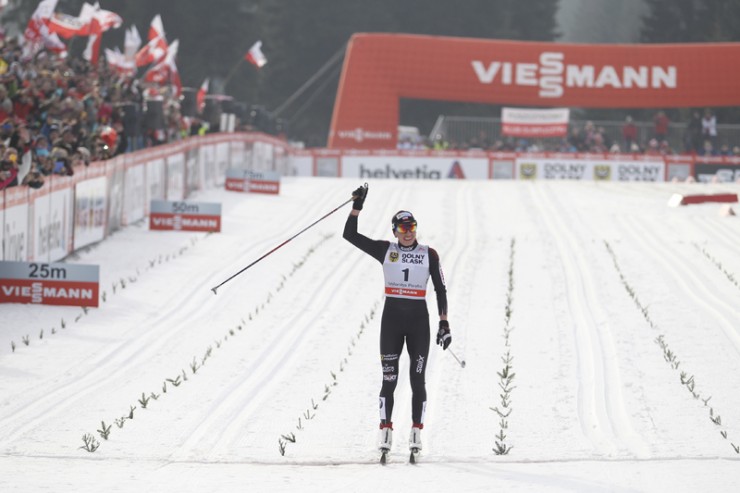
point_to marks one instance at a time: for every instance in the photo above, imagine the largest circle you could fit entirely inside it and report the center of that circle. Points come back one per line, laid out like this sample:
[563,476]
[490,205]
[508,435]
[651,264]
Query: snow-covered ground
[623,338]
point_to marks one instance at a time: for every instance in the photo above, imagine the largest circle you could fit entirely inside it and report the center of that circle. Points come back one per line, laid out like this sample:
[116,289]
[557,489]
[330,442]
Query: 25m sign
[49,284]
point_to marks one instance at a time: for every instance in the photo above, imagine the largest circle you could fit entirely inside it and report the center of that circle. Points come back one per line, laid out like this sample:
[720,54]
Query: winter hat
[402,217]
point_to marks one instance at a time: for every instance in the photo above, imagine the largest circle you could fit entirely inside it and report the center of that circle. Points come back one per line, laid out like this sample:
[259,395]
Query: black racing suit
[403,320]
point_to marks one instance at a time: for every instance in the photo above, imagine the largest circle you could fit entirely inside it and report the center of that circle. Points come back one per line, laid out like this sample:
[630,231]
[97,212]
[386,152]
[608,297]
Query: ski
[414,455]
[383,456]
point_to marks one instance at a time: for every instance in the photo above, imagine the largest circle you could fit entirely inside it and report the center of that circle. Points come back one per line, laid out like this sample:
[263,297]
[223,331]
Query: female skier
[407,266]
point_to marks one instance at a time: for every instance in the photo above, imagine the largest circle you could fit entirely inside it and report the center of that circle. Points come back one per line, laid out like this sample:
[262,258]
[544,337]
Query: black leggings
[404,320]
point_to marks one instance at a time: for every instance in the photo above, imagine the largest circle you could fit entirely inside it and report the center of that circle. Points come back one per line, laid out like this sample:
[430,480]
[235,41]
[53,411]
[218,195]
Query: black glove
[359,196]
[444,338]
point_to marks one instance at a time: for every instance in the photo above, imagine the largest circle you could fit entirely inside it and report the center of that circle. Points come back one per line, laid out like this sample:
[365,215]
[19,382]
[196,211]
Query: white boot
[415,439]
[386,438]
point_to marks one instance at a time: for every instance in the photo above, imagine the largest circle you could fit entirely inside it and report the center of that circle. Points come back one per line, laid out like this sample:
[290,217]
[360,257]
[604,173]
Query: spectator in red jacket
[23,105]
[661,122]
[629,132]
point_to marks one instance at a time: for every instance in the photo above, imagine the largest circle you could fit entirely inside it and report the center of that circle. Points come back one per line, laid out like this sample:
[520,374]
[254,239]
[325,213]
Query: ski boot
[415,442]
[386,439]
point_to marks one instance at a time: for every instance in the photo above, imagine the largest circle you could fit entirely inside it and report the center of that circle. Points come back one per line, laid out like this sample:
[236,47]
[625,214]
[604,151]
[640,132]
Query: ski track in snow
[601,409]
[260,379]
[101,370]
[695,281]
[714,301]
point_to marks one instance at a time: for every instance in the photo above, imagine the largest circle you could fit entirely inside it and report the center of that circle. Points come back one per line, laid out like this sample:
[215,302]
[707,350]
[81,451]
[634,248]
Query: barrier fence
[68,213]
[428,164]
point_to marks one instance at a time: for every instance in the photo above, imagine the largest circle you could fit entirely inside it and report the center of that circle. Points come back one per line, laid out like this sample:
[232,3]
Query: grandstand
[460,131]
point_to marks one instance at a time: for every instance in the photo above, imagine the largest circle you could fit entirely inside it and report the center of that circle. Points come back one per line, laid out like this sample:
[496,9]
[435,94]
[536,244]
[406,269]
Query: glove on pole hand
[359,196]
[444,338]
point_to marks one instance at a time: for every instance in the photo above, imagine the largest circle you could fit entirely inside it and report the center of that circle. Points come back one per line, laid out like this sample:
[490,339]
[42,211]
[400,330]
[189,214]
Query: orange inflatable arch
[380,69]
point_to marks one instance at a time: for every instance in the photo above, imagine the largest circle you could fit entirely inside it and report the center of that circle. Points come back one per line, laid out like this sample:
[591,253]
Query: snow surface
[615,297]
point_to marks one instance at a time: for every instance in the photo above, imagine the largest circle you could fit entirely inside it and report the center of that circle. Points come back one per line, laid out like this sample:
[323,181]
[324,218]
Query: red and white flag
[131,43]
[106,18]
[152,52]
[200,96]
[68,26]
[533,123]
[118,63]
[156,49]
[156,28]
[165,72]
[92,51]
[255,55]
[37,35]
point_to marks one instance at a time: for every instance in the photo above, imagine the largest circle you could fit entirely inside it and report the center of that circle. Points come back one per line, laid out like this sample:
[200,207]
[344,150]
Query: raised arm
[374,248]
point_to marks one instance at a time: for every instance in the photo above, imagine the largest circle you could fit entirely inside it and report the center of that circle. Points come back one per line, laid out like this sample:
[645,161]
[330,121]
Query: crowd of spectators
[698,137]
[58,114]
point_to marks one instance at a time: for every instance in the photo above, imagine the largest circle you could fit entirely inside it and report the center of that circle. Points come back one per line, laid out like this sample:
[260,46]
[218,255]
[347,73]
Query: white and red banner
[532,122]
[380,70]
[47,224]
[184,216]
[15,234]
[423,167]
[175,169]
[49,284]
[51,214]
[90,211]
[156,180]
[585,167]
[242,180]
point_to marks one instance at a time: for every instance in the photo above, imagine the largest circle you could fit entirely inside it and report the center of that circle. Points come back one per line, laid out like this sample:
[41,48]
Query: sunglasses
[404,228]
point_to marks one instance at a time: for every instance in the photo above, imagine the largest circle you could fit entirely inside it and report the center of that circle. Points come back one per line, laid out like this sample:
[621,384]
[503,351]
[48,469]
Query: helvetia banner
[244,180]
[183,215]
[49,284]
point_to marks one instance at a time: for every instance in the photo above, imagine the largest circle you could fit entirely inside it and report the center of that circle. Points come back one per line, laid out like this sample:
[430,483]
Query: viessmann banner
[242,180]
[167,215]
[49,283]
[380,69]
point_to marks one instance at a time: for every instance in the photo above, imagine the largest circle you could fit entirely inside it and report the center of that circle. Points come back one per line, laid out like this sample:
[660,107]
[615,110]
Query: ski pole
[462,363]
[285,242]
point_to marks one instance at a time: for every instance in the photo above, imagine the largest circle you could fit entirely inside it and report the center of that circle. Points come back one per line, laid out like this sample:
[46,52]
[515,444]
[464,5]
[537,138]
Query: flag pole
[232,71]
